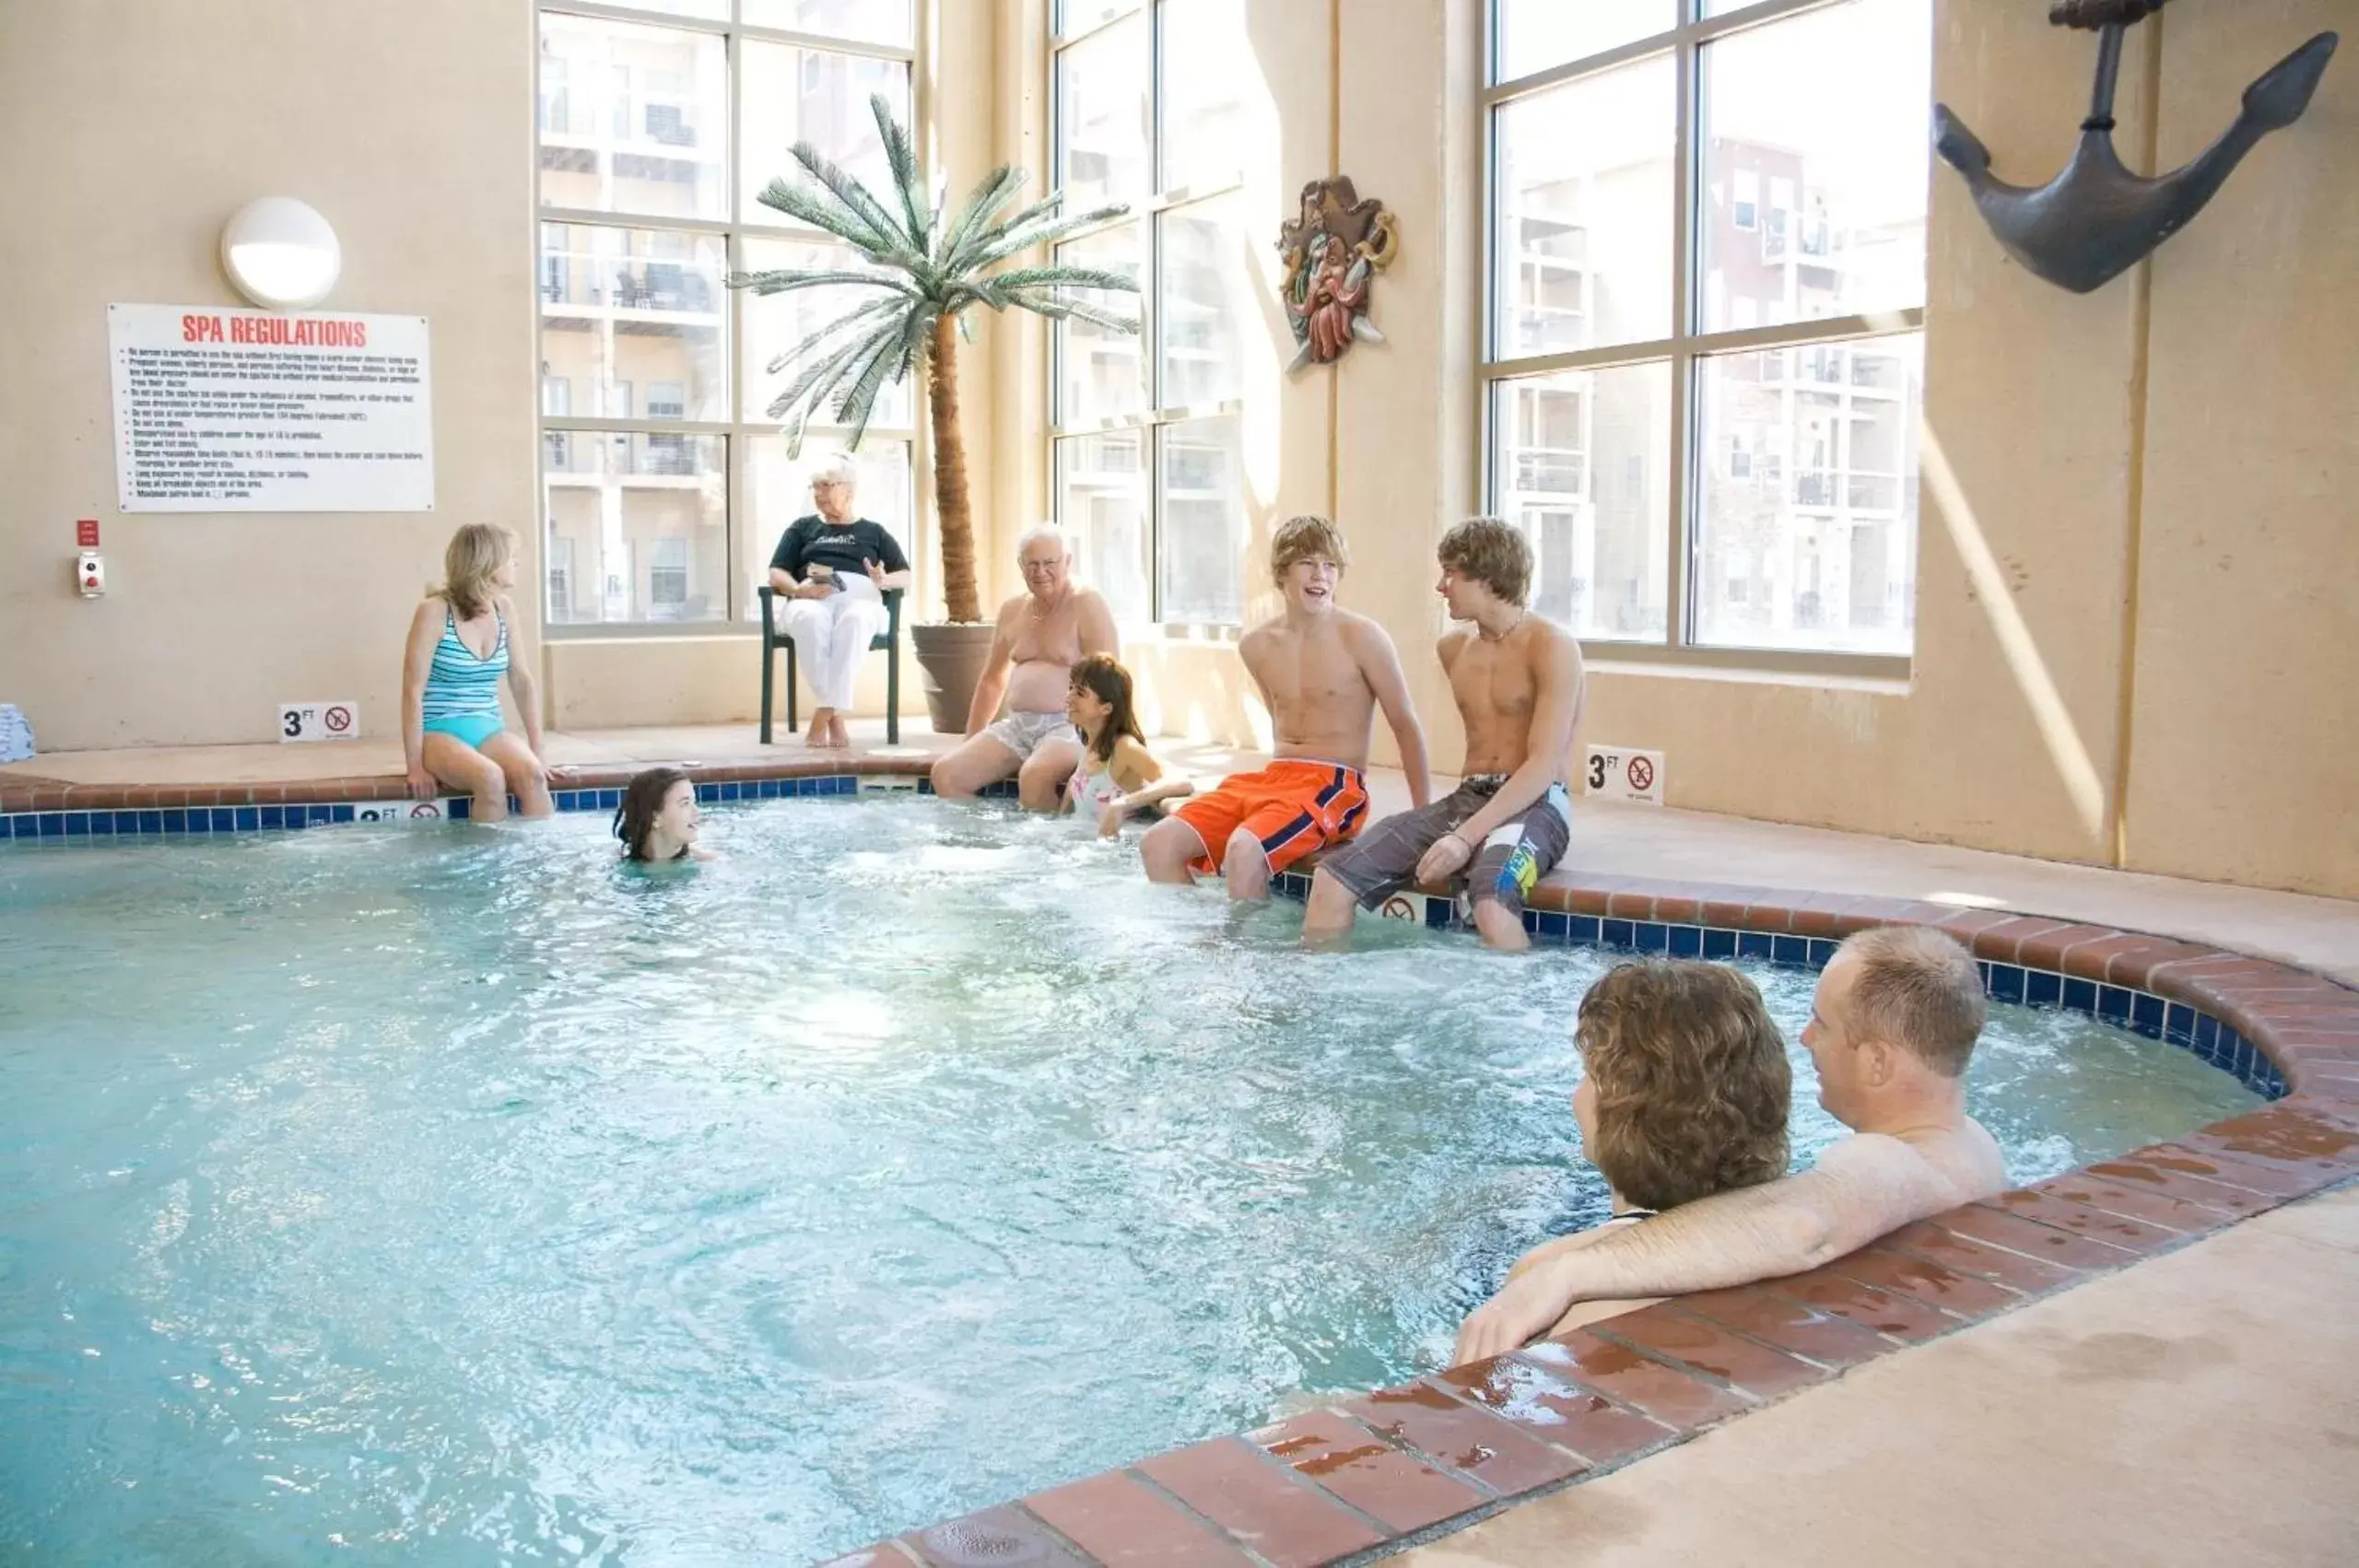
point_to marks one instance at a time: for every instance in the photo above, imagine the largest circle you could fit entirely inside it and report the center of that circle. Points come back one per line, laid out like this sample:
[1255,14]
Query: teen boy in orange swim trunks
[1323,672]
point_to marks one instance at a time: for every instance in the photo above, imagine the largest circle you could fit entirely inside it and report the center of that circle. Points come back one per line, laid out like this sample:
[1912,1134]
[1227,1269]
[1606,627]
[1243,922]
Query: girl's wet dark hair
[1103,677]
[635,818]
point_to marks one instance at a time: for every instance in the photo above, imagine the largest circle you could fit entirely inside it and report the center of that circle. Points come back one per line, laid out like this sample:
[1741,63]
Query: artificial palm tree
[927,272]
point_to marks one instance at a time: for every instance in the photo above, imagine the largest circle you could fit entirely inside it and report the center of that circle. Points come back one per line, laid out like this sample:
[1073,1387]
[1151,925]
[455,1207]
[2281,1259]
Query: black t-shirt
[843,548]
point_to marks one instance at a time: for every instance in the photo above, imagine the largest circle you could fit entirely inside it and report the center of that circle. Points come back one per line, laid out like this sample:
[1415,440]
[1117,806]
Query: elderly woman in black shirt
[830,572]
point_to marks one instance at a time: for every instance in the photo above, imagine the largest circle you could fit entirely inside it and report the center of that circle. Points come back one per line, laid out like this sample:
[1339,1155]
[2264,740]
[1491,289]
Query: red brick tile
[1588,899]
[1968,924]
[989,1536]
[2138,968]
[1464,1439]
[1902,1317]
[2153,1206]
[1381,1482]
[1858,915]
[2031,1276]
[1630,903]
[2045,950]
[1550,896]
[2304,1149]
[2198,1179]
[1269,1509]
[1813,915]
[2002,944]
[2087,960]
[1789,1324]
[1935,1284]
[2118,1230]
[1125,1525]
[884,1554]
[1682,908]
[2043,1242]
[47,801]
[1770,912]
[1708,1347]
[1548,1403]
[1669,1396]
[1725,907]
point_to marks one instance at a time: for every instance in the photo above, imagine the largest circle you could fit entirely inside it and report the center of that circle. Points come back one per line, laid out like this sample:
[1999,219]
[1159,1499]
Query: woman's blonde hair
[473,556]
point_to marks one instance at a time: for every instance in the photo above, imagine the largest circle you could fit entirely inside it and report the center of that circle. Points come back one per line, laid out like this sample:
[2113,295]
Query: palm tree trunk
[950,475]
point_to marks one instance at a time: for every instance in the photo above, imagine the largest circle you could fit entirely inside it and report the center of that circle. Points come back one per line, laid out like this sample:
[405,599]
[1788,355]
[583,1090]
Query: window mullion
[1685,493]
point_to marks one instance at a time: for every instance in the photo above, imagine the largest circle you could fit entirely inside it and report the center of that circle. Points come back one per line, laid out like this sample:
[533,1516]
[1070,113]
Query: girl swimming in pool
[463,638]
[658,818]
[1118,776]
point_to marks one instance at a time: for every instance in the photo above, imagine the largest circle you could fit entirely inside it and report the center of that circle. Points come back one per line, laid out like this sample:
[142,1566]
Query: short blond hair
[1493,552]
[1919,990]
[1306,538]
[470,561]
[1691,1082]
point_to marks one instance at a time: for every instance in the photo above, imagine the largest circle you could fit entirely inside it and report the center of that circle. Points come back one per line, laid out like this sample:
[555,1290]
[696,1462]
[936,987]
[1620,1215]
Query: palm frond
[847,189]
[813,387]
[815,207]
[865,319]
[1071,310]
[995,191]
[784,279]
[1014,237]
[902,160]
[1065,278]
[889,363]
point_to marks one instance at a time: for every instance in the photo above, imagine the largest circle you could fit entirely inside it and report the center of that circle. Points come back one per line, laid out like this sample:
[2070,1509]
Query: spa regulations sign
[223,410]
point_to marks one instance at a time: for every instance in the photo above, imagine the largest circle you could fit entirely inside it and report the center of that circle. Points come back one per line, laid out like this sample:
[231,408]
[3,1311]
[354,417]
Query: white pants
[831,633]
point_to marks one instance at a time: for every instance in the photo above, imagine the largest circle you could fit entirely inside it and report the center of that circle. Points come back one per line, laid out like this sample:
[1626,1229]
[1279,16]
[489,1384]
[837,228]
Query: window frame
[745,220]
[1687,344]
[1146,213]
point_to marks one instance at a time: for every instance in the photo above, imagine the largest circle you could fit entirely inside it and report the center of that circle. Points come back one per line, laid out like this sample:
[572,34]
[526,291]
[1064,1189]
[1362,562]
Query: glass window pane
[1203,93]
[778,491]
[775,323]
[637,526]
[810,95]
[1101,374]
[1537,34]
[633,118]
[1584,212]
[1807,497]
[1101,505]
[871,21]
[1581,462]
[1207,293]
[1817,166]
[1102,117]
[703,10]
[623,310]
[1203,475]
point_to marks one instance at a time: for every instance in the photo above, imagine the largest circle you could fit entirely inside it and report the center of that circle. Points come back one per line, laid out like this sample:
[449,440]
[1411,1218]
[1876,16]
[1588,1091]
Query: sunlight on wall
[2073,766]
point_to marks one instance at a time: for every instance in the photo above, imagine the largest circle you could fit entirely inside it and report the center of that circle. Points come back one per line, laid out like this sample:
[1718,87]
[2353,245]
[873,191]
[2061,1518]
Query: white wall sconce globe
[280,254]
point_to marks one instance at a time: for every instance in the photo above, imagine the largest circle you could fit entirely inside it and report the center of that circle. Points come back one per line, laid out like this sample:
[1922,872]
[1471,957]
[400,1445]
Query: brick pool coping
[1373,1474]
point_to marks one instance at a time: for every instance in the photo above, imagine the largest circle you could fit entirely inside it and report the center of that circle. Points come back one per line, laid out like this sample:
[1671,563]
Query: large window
[664,486]
[1147,432]
[1705,368]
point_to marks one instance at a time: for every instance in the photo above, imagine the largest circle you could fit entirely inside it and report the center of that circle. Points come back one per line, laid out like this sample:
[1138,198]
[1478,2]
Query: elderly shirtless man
[1042,633]
[1517,680]
[1322,672]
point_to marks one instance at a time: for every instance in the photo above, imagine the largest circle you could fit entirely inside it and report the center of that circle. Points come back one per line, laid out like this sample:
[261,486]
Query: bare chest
[1491,681]
[1052,638]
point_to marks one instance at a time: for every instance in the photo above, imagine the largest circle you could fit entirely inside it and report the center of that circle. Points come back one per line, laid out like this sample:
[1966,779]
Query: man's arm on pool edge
[1865,1187]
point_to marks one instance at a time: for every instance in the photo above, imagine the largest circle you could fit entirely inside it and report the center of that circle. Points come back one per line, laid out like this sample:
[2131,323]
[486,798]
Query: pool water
[450,1195]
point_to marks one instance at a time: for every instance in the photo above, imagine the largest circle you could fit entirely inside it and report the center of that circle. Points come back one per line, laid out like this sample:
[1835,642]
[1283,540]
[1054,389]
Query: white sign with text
[220,410]
[319,721]
[1615,773]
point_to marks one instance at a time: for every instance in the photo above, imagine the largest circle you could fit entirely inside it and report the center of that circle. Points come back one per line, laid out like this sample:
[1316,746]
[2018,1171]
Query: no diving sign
[1616,774]
[319,721]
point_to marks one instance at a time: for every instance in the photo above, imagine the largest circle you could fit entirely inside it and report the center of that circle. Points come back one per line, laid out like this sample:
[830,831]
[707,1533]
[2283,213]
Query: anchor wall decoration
[2097,219]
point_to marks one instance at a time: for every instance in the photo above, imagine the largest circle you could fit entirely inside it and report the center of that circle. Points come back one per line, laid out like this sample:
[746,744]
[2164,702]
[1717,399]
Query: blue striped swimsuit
[463,691]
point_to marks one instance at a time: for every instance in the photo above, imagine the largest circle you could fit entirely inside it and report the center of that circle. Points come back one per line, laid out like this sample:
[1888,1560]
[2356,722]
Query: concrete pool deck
[2198,1407]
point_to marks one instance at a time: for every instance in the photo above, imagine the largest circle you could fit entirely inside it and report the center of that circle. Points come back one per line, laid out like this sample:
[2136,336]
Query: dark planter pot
[952,658]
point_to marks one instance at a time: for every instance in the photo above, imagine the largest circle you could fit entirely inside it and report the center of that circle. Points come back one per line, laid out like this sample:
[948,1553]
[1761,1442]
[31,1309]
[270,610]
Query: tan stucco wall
[127,138]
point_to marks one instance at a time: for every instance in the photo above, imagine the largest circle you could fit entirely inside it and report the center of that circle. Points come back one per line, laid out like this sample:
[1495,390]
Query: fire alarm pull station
[90,574]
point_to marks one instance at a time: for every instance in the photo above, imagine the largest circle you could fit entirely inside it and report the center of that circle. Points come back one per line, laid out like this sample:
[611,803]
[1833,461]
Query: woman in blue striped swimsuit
[462,641]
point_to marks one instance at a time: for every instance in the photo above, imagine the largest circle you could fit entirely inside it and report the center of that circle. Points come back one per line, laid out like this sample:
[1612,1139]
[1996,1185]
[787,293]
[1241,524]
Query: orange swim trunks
[1292,806]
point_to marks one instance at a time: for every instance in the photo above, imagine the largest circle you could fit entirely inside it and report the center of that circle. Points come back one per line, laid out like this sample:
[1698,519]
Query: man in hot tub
[1892,1027]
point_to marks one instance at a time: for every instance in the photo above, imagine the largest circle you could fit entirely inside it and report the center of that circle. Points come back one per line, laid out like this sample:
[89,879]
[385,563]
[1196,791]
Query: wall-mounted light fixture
[280,254]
